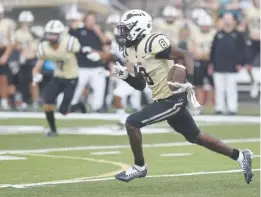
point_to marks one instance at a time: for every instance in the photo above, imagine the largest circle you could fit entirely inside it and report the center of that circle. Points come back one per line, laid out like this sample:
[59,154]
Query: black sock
[139,162]
[235,154]
[51,120]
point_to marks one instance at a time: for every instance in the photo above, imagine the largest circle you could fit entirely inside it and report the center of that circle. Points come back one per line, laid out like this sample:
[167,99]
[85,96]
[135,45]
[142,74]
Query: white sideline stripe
[106,153]
[79,148]
[86,179]
[11,158]
[175,154]
[256,156]
[97,116]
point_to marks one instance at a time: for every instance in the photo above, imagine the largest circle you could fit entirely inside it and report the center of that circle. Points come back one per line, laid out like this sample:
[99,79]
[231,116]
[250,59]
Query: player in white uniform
[151,55]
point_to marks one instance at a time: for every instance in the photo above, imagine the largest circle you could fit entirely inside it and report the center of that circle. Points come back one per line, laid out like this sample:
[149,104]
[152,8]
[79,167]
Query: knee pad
[134,121]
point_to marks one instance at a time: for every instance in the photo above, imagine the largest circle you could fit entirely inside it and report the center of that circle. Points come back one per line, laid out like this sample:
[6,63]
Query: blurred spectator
[92,71]
[74,19]
[252,15]
[111,22]
[184,38]
[227,58]
[26,44]
[201,51]
[169,24]
[231,6]
[252,18]
[210,6]
[6,32]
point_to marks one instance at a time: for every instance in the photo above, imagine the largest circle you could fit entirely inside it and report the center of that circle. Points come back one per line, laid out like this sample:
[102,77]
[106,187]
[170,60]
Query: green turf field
[74,165]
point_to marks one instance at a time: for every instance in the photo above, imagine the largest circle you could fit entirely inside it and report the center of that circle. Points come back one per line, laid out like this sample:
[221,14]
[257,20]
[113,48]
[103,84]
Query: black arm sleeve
[138,82]
[165,54]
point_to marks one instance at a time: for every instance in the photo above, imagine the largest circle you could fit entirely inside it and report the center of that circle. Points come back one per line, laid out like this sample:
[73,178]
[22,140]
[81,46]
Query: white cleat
[132,173]
[246,165]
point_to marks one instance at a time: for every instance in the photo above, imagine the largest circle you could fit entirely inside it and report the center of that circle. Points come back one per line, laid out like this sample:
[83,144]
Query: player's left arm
[170,52]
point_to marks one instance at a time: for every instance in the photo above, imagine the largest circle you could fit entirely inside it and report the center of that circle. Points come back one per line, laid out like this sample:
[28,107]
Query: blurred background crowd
[216,31]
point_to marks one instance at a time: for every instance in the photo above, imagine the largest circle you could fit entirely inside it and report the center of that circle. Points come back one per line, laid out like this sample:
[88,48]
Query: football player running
[151,55]
[59,48]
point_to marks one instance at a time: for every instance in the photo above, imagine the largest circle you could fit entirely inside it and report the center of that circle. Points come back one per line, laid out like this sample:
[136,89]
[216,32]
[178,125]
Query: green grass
[55,166]
[60,123]
[35,141]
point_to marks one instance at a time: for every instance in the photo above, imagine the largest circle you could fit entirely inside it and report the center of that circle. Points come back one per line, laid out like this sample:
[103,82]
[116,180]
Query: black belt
[174,97]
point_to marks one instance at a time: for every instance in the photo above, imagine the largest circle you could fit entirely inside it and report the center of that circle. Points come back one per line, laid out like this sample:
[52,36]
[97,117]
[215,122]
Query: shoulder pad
[156,43]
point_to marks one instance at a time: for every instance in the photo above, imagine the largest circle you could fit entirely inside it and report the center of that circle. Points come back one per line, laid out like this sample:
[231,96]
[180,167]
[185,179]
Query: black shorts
[13,79]
[173,110]
[57,86]
[201,72]
[26,71]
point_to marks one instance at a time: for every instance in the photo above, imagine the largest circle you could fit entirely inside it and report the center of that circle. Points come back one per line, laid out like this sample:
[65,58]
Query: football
[176,74]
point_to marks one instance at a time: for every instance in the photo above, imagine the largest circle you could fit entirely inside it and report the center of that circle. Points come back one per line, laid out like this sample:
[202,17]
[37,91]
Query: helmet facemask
[52,38]
[123,36]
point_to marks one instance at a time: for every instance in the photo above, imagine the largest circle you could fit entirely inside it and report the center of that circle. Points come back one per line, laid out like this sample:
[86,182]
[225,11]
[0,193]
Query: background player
[202,53]
[7,27]
[150,53]
[61,49]
[26,45]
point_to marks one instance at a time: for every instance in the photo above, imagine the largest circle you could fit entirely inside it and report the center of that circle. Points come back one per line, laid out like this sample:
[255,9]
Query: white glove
[94,56]
[86,49]
[183,87]
[37,78]
[193,105]
[120,71]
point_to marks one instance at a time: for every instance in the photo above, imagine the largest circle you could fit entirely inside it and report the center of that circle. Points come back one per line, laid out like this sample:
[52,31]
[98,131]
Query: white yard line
[106,147]
[11,158]
[106,153]
[87,179]
[175,154]
[98,116]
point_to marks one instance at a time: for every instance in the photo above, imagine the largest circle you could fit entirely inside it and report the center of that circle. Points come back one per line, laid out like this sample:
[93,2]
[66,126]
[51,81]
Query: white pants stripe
[163,115]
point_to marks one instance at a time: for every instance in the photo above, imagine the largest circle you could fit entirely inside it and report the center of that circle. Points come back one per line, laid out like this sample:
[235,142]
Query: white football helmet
[205,21]
[132,26]
[113,19]
[170,11]
[26,17]
[74,15]
[53,31]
